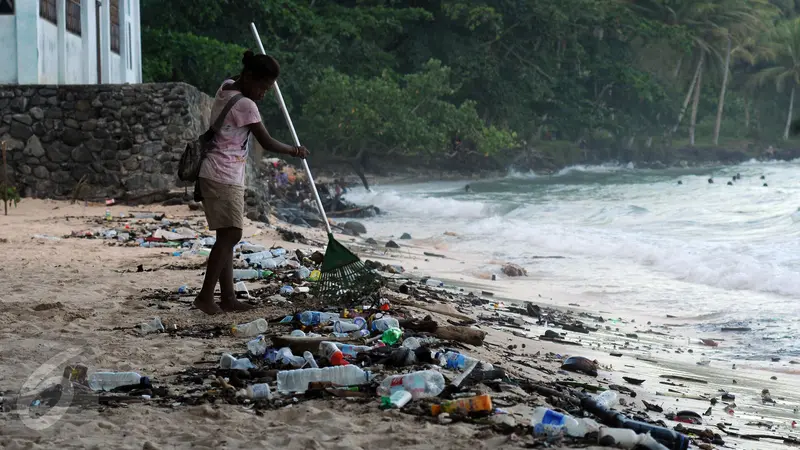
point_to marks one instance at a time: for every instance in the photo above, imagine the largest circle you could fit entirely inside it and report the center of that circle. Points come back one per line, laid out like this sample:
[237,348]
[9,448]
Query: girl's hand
[300,152]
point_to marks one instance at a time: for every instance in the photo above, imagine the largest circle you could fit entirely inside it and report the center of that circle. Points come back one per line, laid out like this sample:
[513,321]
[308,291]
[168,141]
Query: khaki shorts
[223,204]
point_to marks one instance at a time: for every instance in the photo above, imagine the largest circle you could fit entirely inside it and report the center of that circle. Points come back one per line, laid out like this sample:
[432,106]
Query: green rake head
[344,279]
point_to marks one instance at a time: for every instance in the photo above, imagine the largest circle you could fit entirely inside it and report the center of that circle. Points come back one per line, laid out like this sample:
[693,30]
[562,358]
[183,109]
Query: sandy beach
[78,299]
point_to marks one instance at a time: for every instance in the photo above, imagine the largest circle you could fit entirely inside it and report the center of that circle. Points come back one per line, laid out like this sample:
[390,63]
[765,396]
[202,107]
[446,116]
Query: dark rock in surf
[392,244]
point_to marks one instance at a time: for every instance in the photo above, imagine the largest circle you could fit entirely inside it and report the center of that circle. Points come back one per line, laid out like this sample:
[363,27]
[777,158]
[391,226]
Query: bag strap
[221,118]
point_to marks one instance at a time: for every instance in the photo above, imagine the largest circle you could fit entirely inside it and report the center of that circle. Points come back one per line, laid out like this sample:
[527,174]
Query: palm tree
[753,15]
[785,72]
[711,24]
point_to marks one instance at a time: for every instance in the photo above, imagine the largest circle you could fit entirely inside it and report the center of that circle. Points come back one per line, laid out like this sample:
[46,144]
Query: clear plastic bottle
[384,324]
[548,422]
[309,318]
[250,274]
[260,390]
[298,380]
[434,283]
[153,326]
[346,326]
[607,399]
[423,384]
[106,381]
[414,343]
[250,329]
[286,356]
[229,362]
[257,346]
[348,349]
[455,360]
[310,359]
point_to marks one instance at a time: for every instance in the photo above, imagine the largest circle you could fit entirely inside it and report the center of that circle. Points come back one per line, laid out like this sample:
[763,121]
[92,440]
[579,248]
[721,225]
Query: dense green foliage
[494,76]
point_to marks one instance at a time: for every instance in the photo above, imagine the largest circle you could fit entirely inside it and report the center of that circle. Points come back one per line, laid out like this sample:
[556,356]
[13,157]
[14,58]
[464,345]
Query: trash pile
[405,348]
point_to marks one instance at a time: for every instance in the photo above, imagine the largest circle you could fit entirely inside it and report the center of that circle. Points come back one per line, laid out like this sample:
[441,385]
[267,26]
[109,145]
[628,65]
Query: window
[115,29]
[74,16]
[6,7]
[47,11]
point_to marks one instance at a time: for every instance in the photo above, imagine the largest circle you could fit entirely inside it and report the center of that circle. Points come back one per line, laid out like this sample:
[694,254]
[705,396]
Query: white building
[70,42]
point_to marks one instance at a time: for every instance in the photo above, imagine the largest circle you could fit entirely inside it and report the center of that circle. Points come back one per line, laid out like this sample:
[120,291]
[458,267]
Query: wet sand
[77,299]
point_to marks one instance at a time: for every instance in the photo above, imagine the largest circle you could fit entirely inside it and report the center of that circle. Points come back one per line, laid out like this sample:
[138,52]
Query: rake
[344,279]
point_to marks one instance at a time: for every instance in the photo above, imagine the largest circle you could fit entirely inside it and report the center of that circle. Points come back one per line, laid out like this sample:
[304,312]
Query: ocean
[634,240]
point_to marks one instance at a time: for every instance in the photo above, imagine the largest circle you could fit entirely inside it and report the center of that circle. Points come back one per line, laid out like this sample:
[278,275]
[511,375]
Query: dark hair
[261,66]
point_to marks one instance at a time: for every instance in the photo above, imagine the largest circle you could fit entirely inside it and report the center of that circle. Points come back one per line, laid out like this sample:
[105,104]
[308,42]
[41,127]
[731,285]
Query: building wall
[125,139]
[48,52]
[75,73]
[8,49]
[42,41]
[115,69]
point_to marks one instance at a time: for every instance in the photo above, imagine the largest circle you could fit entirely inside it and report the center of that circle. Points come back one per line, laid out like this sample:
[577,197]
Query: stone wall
[125,139]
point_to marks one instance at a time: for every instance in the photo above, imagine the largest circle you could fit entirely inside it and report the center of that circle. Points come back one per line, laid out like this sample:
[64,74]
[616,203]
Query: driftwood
[446,310]
[464,335]
[421,326]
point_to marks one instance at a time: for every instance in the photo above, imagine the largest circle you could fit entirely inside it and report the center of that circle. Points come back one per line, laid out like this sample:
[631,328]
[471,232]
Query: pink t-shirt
[225,162]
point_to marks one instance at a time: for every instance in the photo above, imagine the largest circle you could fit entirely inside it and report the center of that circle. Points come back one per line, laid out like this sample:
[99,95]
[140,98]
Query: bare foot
[207,306]
[233,305]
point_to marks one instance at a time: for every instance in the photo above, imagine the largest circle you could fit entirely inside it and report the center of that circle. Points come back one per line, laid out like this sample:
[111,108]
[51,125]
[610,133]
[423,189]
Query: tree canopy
[489,77]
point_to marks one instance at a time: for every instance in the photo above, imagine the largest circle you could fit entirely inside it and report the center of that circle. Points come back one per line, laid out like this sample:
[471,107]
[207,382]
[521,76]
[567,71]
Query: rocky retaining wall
[126,140]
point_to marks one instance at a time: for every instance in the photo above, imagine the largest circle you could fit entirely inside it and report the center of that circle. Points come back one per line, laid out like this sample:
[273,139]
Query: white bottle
[257,346]
[260,390]
[298,380]
[384,324]
[253,328]
[229,362]
[414,343]
[106,381]
[345,326]
[423,384]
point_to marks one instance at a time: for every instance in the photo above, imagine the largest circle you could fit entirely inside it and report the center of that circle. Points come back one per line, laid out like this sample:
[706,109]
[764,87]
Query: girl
[222,173]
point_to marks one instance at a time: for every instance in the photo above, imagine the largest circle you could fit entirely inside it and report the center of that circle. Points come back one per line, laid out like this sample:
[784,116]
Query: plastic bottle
[252,248]
[278,252]
[106,381]
[297,380]
[309,318]
[257,346]
[347,349]
[397,400]
[229,362]
[249,329]
[607,399]
[344,326]
[251,274]
[423,384]
[385,323]
[455,360]
[303,273]
[285,356]
[625,438]
[391,336]
[480,403]
[331,351]
[548,422]
[260,390]
[434,283]
[310,359]
[414,343]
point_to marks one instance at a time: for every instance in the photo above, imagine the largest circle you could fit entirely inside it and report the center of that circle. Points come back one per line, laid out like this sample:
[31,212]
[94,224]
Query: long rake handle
[279,97]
